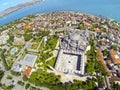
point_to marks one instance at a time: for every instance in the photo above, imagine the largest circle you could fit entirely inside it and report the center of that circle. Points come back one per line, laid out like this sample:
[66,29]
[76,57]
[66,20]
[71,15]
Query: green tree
[115,46]
[4,60]
[28,36]
[25,78]
[27,86]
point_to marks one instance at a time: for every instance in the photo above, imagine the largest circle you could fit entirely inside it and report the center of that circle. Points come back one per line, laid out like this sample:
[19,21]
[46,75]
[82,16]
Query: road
[107,83]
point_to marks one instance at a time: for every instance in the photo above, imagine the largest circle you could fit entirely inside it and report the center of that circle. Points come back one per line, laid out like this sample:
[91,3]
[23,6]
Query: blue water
[109,8]
[5,4]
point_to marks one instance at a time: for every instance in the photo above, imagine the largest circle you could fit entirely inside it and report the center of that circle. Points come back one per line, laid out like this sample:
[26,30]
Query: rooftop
[76,40]
[16,67]
[29,60]
[115,59]
[109,61]
[28,70]
[101,59]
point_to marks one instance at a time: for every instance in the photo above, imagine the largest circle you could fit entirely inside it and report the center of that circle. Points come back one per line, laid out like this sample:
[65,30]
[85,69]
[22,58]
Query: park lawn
[10,63]
[41,46]
[22,56]
[51,62]
[45,56]
[37,40]
[34,46]
[50,44]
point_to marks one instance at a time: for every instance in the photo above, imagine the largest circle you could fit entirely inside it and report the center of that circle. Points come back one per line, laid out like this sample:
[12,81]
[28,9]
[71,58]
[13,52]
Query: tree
[90,68]
[105,52]
[115,46]
[15,73]
[27,86]
[1,74]
[11,38]
[27,37]
[42,78]
[4,60]
[25,78]
[115,86]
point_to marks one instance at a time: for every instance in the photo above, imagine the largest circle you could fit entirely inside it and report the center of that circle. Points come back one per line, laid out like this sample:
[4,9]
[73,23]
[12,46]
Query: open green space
[37,40]
[50,44]
[34,46]
[93,65]
[52,81]
[5,64]
[51,62]
[1,74]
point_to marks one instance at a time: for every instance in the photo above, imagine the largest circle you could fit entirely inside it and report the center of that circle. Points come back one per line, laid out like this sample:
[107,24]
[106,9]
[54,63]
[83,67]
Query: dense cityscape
[60,51]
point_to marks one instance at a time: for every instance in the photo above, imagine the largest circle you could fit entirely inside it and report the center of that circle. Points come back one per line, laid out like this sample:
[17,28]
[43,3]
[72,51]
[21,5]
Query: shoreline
[71,11]
[17,7]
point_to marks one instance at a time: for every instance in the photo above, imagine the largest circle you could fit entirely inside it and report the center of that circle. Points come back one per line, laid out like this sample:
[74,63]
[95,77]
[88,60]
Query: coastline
[17,7]
[57,5]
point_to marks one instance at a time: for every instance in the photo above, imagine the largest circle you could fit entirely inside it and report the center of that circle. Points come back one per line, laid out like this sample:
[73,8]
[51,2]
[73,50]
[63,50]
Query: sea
[107,8]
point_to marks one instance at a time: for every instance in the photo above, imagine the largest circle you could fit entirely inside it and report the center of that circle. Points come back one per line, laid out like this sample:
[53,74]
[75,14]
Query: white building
[71,57]
[4,37]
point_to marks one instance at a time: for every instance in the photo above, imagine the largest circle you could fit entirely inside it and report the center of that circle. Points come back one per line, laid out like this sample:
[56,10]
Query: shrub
[9,77]
[27,86]
[20,83]
[24,78]
[15,73]
[32,88]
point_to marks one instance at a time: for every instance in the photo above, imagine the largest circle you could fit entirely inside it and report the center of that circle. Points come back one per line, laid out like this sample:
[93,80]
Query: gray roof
[29,60]
[16,67]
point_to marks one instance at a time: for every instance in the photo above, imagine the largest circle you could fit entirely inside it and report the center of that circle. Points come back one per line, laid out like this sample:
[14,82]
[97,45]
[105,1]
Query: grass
[37,40]
[22,56]
[34,46]
[41,46]
[21,83]
[45,56]
[51,62]
[9,77]
[50,44]
[10,62]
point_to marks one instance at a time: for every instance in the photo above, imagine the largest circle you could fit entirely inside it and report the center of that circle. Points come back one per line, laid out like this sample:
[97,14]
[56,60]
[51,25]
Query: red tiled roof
[109,61]
[101,59]
[28,70]
[114,59]
[112,79]
[97,30]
